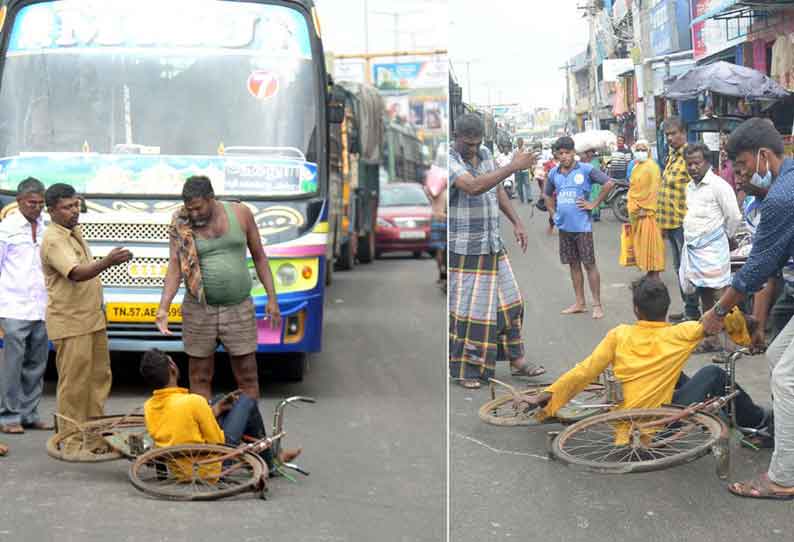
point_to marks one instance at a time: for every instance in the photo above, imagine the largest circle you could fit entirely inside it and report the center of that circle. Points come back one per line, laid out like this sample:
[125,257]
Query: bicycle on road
[190,472]
[647,439]
[602,439]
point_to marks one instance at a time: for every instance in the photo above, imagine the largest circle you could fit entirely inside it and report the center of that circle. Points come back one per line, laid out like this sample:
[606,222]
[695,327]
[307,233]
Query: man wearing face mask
[755,190]
[757,149]
[711,219]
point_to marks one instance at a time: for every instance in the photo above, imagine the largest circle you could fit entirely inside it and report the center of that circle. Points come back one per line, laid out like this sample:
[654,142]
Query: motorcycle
[618,200]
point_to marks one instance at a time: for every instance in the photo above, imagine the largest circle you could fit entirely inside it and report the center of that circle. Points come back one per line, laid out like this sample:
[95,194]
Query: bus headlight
[287,274]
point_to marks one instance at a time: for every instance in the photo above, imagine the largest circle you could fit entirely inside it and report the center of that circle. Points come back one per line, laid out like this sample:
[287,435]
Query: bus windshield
[133,97]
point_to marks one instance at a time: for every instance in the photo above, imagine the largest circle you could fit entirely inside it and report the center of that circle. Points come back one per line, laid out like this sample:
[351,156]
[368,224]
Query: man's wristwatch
[719,311]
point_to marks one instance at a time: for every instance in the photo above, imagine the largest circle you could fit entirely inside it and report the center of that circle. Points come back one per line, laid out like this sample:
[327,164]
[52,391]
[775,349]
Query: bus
[126,99]
[355,155]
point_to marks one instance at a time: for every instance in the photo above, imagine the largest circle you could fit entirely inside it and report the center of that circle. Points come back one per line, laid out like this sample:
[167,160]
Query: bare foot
[576,308]
[287,456]
[598,312]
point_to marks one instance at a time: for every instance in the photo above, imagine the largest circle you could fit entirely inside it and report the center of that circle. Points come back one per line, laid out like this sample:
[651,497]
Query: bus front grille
[125,233]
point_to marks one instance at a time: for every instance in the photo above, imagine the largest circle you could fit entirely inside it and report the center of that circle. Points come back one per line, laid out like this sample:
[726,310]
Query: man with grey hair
[24,299]
[486,309]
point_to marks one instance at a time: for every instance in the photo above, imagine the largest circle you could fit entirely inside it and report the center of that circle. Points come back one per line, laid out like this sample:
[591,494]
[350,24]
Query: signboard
[712,36]
[350,70]
[100,26]
[615,66]
[661,28]
[410,75]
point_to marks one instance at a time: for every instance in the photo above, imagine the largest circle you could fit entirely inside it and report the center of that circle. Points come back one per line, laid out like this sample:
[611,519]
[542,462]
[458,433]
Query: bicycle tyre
[500,412]
[563,446]
[154,462]
[100,426]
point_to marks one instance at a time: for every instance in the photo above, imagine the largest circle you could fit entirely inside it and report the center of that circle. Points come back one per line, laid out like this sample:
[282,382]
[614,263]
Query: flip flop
[469,384]
[12,429]
[529,370]
[39,426]
[598,312]
[573,310]
[759,488]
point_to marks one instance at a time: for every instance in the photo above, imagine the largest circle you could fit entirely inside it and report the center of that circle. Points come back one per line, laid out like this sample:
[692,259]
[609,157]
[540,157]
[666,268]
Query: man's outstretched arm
[577,379]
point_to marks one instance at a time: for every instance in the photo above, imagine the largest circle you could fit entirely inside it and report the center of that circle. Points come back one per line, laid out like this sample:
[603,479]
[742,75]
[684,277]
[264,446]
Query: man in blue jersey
[572,181]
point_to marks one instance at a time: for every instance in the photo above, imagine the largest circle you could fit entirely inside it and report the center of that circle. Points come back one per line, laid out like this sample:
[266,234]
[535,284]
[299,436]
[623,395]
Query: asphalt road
[505,488]
[374,442]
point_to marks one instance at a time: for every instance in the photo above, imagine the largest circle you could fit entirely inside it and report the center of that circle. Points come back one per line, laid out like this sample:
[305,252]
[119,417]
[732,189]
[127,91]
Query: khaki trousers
[84,376]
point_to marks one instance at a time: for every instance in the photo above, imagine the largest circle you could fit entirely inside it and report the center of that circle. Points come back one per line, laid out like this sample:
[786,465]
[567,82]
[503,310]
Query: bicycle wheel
[611,442]
[502,411]
[174,472]
[86,444]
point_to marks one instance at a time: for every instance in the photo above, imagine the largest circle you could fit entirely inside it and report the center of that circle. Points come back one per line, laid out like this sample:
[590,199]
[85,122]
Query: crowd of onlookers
[694,202]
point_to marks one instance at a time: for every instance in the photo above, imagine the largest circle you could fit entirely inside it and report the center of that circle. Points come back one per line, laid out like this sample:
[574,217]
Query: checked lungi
[486,313]
[438,234]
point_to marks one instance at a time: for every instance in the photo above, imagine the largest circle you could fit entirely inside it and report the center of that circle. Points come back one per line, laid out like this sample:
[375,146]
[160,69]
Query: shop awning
[719,8]
[728,9]
[727,79]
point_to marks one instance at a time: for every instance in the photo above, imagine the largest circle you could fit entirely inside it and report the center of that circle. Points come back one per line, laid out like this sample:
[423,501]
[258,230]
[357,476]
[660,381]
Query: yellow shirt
[73,308]
[174,416]
[647,359]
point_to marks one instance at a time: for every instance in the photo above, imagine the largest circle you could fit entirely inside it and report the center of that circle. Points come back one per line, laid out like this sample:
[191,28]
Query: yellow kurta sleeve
[577,379]
[211,432]
[687,332]
[735,327]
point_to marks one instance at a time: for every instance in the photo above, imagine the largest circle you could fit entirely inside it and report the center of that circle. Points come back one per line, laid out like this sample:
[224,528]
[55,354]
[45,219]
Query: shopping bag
[687,286]
[627,247]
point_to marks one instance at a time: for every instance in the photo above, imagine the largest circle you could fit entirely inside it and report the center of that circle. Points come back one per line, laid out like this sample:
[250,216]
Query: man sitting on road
[174,416]
[648,357]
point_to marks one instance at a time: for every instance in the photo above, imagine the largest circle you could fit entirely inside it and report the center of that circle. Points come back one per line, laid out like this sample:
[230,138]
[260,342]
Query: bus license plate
[140,312]
[412,235]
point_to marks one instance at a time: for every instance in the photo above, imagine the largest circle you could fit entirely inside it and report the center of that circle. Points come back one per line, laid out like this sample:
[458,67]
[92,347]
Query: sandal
[528,369]
[468,383]
[12,429]
[39,426]
[759,488]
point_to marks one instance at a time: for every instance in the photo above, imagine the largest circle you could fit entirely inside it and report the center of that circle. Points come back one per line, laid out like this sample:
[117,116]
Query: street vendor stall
[727,94]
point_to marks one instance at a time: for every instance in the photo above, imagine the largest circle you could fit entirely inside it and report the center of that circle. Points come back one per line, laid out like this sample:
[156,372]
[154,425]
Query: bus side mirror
[336,113]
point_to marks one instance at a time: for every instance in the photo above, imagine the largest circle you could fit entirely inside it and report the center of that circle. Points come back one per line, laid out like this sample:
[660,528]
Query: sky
[515,49]
[422,25]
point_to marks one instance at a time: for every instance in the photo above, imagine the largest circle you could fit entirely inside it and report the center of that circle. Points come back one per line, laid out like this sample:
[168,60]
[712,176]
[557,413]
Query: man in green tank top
[208,244]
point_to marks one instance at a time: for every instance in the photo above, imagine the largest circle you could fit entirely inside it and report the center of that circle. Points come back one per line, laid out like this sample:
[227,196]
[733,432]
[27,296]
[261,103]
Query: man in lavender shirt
[25,346]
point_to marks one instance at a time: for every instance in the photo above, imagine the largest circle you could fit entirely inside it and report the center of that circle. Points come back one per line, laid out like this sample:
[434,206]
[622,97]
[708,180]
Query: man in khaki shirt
[75,317]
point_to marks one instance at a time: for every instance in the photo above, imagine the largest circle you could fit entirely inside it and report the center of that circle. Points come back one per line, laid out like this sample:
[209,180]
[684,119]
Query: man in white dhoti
[711,219]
